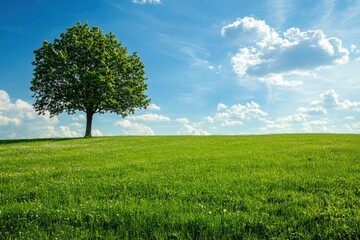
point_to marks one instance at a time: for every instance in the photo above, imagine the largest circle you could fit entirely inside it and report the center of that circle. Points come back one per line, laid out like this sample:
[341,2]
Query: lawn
[181,187]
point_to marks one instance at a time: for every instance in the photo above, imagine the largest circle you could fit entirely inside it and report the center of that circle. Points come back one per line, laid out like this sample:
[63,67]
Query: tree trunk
[89,117]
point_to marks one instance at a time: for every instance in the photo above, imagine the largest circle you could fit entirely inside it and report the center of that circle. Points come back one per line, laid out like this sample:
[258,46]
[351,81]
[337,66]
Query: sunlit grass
[217,187]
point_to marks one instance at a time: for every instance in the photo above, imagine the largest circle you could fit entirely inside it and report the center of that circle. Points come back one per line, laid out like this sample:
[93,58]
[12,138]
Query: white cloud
[79,117]
[4,100]
[236,114]
[134,128]
[245,59]
[318,126]
[153,106]
[11,29]
[146,1]
[276,126]
[284,124]
[228,123]
[248,111]
[19,120]
[352,128]
[249,30]
[354,49]
[347,104]
[150,117]
[77,125]
[96,132]
[292,118]
[221,106]
[8,121]
[187,129]
[322,115]
[329,100]
[280,10]
[267,56]
[312,110]
[124,123]
[197,55]
[66,132]
[182,120]
[278,80]
[349,118]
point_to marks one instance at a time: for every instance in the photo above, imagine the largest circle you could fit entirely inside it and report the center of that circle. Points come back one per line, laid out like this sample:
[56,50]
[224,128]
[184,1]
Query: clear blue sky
[213,67]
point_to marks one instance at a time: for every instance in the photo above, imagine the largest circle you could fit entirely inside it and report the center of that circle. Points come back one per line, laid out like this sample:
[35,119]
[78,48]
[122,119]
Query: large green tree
[85,70]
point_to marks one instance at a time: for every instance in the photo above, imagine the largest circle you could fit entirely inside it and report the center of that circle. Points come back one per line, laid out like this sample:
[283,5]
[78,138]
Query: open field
[214,187]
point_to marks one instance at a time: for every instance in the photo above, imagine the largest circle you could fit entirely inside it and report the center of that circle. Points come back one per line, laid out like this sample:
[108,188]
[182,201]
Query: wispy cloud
[280,10]
[11,29]
[115,4]
[195,53]
[335,16]
[155,2]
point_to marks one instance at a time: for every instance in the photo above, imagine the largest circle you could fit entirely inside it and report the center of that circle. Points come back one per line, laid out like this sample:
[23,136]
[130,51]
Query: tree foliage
[85,70]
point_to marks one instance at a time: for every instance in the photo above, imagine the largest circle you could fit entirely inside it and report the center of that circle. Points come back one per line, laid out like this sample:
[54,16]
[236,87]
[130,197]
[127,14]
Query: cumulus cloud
[278,80]
[229,123]
[283,124]
[347,104]
[329,101]
[355,52]
[351,128]
[264,54]
[182,120]
[221,106]
[146,1]
[66,132]
[318,126]
[236,114]
[150,117]
[19,120]
[79,117]
[153,106]
[187,129]
[321,115]
[312,110]
[96,132]
[354,49]
[248,111]
[131,128]
[249,30]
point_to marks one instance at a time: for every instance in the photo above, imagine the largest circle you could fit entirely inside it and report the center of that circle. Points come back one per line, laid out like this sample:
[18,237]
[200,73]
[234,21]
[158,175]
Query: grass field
[213,187]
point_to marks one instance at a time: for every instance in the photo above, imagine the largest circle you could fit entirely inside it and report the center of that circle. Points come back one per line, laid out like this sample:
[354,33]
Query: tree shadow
[11,141]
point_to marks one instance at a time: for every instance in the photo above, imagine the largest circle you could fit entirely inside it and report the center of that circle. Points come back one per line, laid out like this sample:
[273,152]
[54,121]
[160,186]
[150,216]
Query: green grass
[217,187]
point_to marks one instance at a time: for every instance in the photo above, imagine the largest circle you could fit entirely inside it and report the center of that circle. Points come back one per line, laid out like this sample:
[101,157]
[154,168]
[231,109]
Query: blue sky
[213,67]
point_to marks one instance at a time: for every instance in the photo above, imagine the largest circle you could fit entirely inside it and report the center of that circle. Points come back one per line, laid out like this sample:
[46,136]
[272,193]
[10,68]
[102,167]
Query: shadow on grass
[11,141]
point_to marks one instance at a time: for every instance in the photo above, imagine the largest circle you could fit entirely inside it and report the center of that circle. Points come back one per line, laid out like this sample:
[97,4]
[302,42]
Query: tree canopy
[85,70]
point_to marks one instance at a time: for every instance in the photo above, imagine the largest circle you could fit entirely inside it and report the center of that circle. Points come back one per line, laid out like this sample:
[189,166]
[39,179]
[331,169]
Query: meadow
[304,186]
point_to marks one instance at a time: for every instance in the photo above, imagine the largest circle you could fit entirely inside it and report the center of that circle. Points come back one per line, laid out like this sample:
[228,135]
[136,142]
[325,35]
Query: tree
[87,71]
